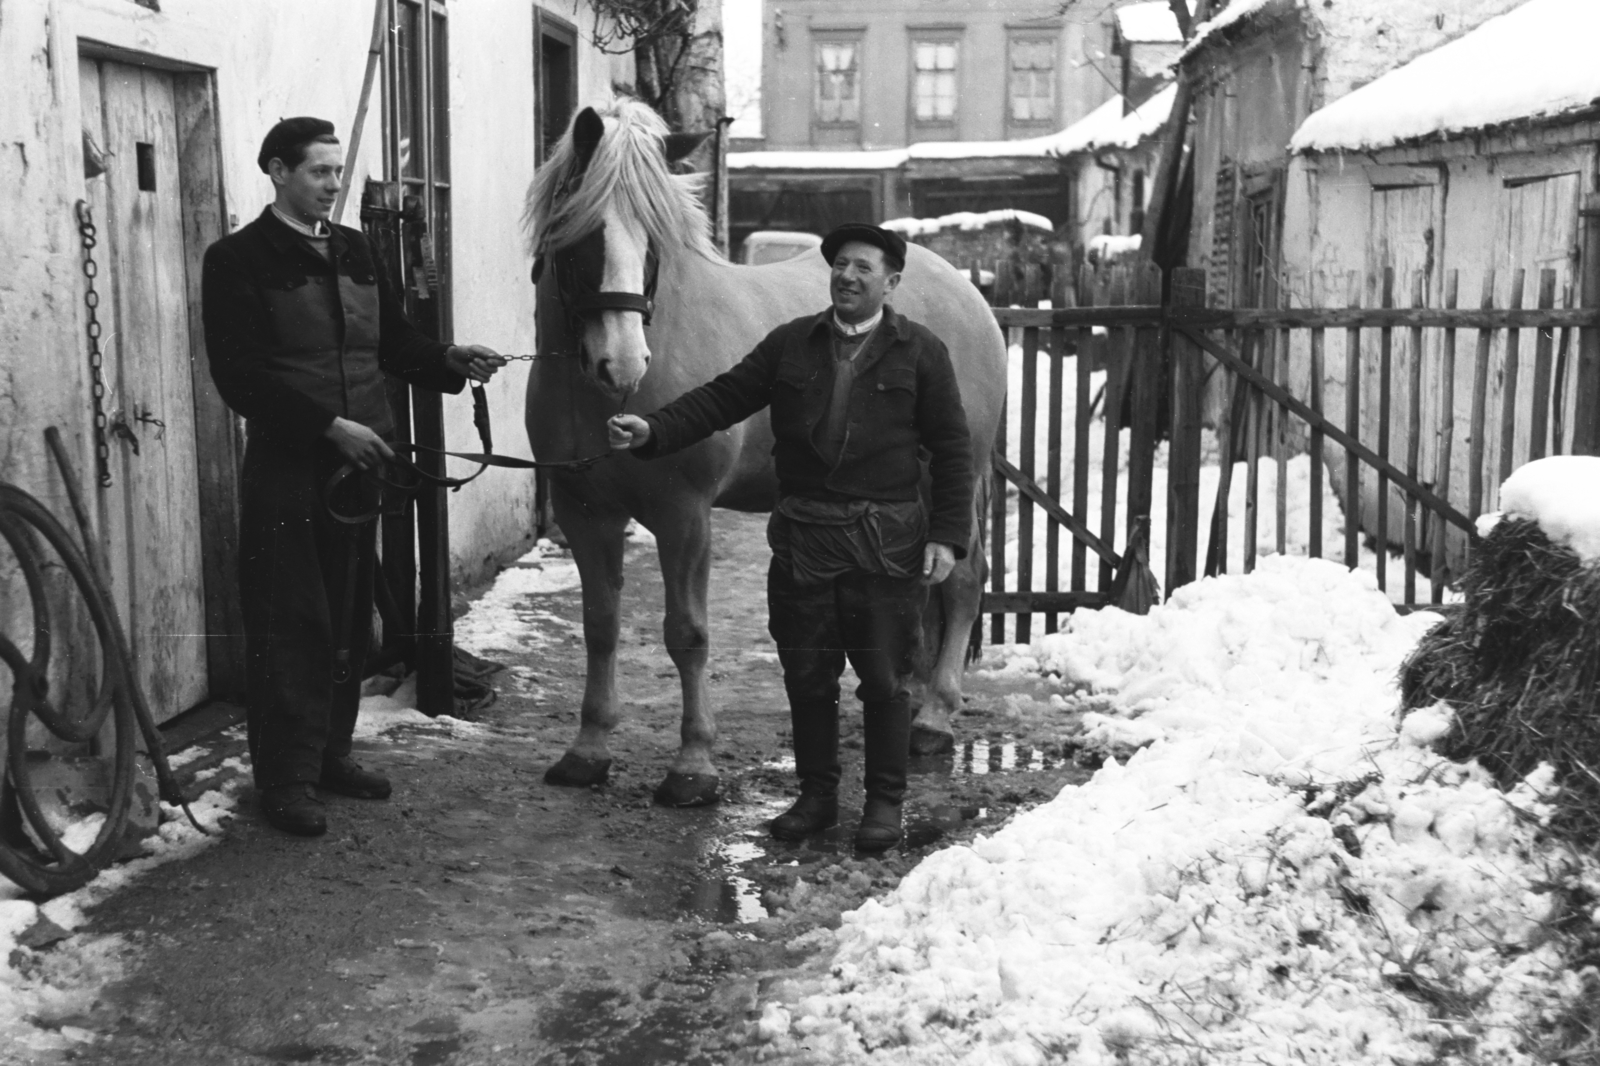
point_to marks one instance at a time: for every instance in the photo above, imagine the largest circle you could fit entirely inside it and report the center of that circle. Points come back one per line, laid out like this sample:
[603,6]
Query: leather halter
[580,300]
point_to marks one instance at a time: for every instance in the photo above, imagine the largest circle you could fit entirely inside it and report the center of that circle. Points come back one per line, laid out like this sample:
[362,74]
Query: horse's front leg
[595,531]
[683,539]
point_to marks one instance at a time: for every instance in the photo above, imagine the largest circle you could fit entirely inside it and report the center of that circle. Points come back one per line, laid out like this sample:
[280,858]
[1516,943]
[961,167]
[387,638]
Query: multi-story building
[973,84]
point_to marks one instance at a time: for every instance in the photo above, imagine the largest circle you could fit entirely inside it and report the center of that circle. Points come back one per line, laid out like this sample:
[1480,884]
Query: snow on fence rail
[1407,426]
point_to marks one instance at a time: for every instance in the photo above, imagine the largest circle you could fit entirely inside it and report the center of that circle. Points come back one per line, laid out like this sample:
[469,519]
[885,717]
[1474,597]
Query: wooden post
[436,678]
[1586,421]
[1480,405]
[1026,455]
[1146,390]
[1052,478]
[1385,405]
[1447,439]
[1543,354]
[1183,460]
[1508,387]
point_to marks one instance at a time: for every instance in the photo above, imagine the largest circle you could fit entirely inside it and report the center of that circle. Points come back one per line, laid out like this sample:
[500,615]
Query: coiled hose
[33,851]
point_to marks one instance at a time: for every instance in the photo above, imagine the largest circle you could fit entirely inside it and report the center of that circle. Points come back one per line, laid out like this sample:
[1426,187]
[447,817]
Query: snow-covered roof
[1148,23]
[967,220]
[1237,11]
[1536,61]
[1104,127]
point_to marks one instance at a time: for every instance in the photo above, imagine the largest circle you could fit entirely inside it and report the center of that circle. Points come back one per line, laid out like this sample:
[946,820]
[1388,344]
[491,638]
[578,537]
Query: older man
[856,393]
[300,331]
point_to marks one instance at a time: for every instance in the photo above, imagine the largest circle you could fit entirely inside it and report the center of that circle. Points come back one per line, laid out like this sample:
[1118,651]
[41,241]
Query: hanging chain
[97,387]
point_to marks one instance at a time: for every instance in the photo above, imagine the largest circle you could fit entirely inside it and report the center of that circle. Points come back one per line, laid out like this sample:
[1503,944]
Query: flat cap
[893,245]
[282,138]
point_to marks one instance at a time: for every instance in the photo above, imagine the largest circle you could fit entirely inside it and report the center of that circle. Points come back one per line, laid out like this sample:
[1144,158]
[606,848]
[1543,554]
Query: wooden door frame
[218,431]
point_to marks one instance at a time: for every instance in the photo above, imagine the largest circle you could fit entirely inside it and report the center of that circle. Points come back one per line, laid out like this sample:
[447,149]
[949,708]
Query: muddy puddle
[736,850]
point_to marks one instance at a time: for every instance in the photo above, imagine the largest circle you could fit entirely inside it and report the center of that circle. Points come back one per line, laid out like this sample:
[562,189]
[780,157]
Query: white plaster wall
[271,60]
[491,162]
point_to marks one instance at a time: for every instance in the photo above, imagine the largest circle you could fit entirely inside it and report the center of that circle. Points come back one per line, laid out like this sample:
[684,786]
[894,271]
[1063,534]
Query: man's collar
[892,320]
[858,329]
[320,230]
[288,240]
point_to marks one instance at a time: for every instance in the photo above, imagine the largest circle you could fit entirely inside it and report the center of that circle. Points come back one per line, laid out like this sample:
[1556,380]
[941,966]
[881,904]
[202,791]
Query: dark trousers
[876,622]
[295,562]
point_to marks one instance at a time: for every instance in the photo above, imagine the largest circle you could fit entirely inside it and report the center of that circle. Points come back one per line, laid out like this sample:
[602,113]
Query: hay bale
[1519,664]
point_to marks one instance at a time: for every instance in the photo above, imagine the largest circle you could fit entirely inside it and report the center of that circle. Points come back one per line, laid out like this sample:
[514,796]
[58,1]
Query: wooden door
[151,512]
[1401,238]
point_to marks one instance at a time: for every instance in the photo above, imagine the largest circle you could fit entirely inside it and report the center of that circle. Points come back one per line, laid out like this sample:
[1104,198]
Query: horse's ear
[587,129]
[680,145]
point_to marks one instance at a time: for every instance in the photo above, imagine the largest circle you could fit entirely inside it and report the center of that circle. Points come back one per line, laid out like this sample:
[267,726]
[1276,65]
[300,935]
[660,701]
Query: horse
[637,307]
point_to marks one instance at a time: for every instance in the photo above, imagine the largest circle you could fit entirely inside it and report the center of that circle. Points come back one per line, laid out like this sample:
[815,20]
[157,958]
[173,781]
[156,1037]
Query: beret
[282,138]
[893,245]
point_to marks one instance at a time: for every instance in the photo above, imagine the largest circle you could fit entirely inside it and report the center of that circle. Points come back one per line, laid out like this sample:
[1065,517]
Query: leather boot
[880,827]
[809,814]
[294,809]
[816,746]
[886,729]
[344,775]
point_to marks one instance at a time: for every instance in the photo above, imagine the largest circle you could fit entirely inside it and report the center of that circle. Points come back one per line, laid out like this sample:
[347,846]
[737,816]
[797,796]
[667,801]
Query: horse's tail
[978,549]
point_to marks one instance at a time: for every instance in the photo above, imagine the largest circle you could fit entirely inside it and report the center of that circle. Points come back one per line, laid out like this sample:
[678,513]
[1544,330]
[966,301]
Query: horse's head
[602,213]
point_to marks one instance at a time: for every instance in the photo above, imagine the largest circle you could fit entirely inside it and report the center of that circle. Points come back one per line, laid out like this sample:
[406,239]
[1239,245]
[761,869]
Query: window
[555,79]
[934,91]
[1033,80]
[417,154]
[838,82]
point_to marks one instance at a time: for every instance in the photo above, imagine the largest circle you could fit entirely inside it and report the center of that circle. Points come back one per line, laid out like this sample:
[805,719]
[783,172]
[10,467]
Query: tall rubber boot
[887,732]
[816,762]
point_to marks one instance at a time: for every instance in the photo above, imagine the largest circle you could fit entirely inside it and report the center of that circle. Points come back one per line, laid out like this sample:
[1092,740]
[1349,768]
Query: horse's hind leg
[683,539]
[595,530]
[961,594]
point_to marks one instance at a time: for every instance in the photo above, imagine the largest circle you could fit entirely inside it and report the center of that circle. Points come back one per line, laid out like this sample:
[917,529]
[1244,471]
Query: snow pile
[1562,494]
[1264,882]
[1148,23]
[1540,56]
[966,220]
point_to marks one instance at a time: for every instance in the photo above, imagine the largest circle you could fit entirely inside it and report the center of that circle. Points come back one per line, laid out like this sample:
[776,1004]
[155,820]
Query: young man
[855,392]
[300,331]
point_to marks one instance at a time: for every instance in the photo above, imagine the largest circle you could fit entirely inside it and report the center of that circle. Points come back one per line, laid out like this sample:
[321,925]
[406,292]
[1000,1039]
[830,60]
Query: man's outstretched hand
[474,361]
[627,431]
[937,562]
[360,446]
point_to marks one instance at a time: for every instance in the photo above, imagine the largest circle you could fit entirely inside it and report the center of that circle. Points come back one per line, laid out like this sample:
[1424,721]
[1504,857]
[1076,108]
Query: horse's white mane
[629,168]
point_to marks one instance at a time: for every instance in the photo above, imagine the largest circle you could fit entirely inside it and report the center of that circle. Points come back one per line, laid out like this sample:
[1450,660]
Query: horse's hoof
[688,790]
[577,771]
[928,741]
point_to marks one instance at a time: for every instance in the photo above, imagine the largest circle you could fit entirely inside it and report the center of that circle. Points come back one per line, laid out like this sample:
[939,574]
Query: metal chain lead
[97,386]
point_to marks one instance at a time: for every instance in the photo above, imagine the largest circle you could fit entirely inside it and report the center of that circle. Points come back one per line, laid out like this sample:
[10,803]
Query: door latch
[119,428]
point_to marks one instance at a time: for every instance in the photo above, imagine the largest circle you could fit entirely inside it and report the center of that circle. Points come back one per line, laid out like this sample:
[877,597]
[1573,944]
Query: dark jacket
[295,341]
[904,401]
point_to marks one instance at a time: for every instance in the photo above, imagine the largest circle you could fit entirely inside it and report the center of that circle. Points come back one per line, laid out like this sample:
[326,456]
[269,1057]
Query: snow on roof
[1562,494]
[1535,61]
[885,159]
[1237,11]
[1148,23]
[966,220]
[1104,127]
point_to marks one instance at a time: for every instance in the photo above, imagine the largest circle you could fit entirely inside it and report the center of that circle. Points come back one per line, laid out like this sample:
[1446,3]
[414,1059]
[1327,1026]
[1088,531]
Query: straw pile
[1519,665]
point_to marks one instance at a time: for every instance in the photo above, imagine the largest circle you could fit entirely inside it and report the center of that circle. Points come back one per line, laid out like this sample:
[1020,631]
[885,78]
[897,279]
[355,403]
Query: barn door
[151,512]
[1401,236]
